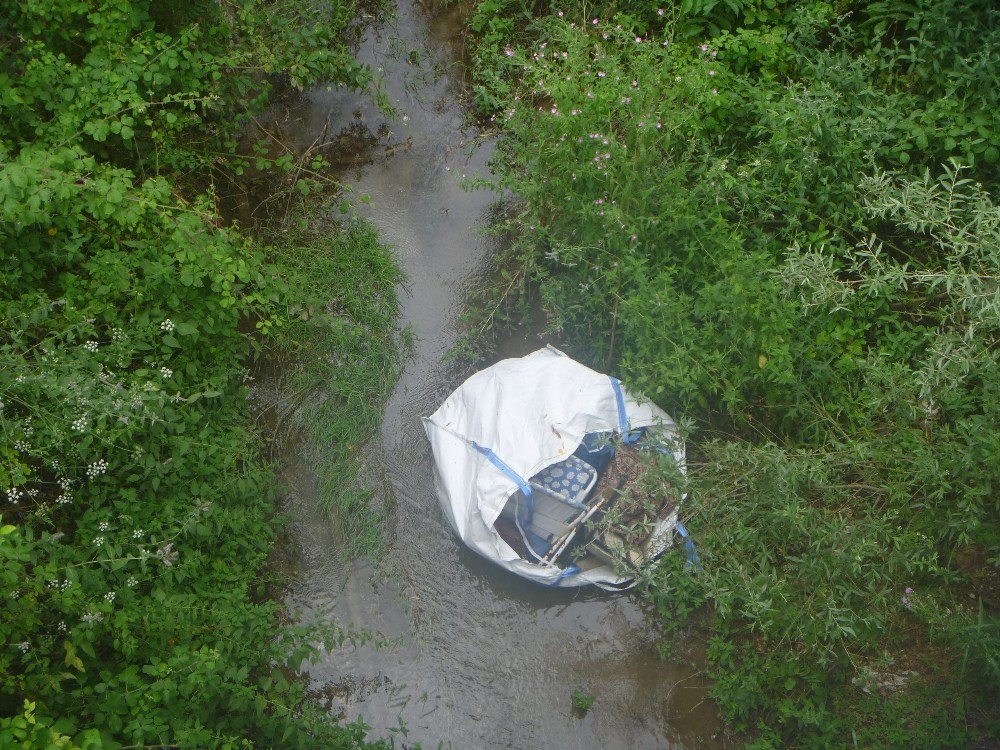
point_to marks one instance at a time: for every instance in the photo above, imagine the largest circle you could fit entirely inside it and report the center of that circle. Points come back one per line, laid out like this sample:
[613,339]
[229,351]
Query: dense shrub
[136,513]
[780,219]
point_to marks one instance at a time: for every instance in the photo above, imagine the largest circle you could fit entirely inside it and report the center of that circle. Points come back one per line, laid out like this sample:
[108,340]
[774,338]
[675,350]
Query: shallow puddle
[479,658]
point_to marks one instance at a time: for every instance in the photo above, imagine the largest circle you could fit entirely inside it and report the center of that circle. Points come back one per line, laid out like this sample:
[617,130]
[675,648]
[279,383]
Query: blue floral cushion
[569,480]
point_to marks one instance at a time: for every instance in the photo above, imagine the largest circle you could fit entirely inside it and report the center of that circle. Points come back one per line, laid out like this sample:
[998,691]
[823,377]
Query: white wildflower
[91,346]
[167,326]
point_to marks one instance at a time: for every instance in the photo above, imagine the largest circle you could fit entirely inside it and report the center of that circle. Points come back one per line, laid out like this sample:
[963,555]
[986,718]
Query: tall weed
[739,208]
[136,509]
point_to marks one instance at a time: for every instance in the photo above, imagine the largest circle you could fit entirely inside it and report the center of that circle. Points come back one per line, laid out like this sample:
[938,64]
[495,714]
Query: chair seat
[570,480]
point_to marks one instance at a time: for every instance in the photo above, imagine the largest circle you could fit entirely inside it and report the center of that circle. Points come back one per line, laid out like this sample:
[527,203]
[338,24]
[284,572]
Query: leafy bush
[732,204]
[136,509]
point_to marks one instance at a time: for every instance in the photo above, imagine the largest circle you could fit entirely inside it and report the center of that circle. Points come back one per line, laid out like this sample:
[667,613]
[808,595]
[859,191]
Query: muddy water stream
[479,658]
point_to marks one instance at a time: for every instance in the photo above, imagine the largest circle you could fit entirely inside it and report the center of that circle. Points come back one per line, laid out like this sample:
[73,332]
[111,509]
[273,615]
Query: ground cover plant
[338,375]
[135,514]
[780,220]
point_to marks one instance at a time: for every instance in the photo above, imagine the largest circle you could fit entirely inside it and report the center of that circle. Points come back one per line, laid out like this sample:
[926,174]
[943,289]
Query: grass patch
[344,352]
[581,702]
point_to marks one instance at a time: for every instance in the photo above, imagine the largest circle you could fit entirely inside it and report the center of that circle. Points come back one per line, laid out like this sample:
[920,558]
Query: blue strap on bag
[622,416]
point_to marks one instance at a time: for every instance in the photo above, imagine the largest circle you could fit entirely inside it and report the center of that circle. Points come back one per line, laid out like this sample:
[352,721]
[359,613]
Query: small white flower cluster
[21,445]
[103,526]
[64,499]
[54,463]
[110,596]
[59,585]
[14,495]
[97,468]
[137,534]
[98,541]
[79,424]
[117,334]
[132,582]
[167,326]
[20,379]
[24,647]
[91,346]
[63,627]
[92,617]
[61,481]
[15,594]
[166,372]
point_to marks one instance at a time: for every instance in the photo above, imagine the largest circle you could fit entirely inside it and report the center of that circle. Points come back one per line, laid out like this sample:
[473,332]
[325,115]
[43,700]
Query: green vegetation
[343,370]
[581,701]
[136,510]
[780,220]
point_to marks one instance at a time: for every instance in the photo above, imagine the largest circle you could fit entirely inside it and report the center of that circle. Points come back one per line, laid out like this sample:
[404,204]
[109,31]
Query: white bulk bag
[516,418]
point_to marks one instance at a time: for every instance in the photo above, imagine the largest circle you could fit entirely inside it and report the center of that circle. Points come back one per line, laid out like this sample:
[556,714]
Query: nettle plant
[135,513]
[135,509]
[152,84]
[720,218]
